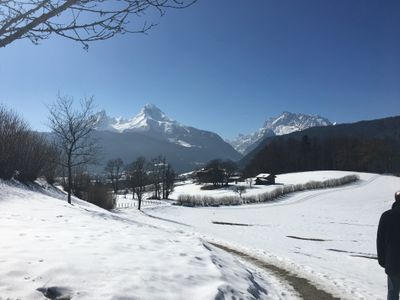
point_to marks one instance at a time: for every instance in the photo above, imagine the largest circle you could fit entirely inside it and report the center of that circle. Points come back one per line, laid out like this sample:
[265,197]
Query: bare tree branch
[114,169]
[72,129]
[84,21]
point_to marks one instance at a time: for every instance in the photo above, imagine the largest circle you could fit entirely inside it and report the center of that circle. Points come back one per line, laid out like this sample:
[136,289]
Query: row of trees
[24,155]
[89,188]
[284,155]
[155,175]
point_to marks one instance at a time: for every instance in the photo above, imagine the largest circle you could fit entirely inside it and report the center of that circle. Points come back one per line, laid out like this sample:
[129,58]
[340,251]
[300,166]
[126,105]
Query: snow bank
[49,247]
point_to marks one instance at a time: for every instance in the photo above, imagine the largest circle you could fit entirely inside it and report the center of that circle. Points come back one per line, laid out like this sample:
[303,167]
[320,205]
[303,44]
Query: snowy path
[304,288]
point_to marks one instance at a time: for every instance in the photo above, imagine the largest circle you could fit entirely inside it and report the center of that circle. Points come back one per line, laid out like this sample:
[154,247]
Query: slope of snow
[83,252]
[182,143]
[325,235]
[283,124]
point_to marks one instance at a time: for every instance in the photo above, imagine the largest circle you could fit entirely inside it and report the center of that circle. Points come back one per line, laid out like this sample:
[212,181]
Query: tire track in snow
[305,288]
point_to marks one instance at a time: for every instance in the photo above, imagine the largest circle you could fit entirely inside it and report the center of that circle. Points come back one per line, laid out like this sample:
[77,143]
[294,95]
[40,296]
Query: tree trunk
[69,162]
[69,182]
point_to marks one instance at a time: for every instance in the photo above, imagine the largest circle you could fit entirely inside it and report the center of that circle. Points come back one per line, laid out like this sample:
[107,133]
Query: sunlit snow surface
[84,252]
[88,253]
[253,190]
[326,235]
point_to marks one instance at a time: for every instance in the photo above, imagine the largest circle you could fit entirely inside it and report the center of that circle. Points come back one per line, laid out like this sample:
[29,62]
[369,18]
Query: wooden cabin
[265,179]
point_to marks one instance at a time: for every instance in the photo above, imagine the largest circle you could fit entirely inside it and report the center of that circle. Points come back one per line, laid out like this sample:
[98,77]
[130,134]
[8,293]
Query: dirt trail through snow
[302,286]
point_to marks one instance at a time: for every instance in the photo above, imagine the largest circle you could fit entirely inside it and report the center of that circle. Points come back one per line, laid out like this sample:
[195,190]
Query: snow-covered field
[83,252]
[326,235]
[253,190]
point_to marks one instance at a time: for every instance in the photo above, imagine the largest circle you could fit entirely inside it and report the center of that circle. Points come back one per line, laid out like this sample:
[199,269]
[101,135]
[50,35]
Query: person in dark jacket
[388,247]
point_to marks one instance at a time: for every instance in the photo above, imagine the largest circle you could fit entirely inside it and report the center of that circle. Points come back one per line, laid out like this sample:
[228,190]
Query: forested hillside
[368,146]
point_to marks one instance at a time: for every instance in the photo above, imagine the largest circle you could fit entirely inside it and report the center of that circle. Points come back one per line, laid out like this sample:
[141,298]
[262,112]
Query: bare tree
[138,178]
[82,21]
[114,170]
[239,189]
[72,129]
[168,181]
[157,168]
[230,167]
[163,173]
[162,177]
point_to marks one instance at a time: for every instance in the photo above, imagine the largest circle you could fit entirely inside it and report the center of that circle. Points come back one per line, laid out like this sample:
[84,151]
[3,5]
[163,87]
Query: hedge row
[198,200]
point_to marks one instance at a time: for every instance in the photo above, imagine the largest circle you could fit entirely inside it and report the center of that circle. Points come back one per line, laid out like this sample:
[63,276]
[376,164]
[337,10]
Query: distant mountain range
[381,137]
[151,133]
[283,124]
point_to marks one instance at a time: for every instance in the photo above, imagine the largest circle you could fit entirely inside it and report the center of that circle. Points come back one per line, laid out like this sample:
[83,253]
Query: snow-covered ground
[326,235]
[84,252]
[88,253]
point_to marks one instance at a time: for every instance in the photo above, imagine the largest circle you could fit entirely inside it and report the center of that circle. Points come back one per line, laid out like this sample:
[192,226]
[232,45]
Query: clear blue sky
[225,65]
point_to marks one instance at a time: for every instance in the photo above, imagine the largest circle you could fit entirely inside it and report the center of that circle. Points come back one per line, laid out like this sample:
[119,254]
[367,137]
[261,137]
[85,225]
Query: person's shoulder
[386,214]
[391,213]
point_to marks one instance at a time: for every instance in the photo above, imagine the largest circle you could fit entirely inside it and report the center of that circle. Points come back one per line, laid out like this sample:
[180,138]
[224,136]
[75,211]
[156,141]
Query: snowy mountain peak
[151,132]
[289,122]
[151,111]
[150,117]
[106,123]
[285,123]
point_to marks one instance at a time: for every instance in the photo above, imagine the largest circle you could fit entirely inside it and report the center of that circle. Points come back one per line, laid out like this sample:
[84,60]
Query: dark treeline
[89,188]
[387,128]
[284,155]
[217,172]
[155,177]
[24,155]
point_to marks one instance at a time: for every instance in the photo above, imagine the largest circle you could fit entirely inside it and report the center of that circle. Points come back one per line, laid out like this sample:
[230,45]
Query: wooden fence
[135,203]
